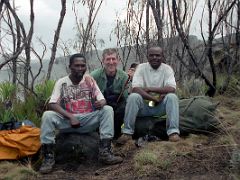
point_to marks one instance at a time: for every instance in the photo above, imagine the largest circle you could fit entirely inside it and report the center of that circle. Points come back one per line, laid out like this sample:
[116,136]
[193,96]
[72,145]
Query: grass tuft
[15,171]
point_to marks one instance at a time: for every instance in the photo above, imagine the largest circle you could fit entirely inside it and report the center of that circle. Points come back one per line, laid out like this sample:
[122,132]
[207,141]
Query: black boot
[48,158]
[105,153]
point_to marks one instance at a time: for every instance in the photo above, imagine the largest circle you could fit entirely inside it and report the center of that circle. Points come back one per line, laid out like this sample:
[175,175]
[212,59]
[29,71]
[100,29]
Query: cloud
[47,15]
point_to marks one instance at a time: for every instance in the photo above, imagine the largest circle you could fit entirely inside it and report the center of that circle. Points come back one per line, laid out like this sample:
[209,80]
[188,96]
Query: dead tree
[230,53]
[158,13]
[85,40]
[20,34]
[56,38]
[85,32]
[212,28]
[28,48]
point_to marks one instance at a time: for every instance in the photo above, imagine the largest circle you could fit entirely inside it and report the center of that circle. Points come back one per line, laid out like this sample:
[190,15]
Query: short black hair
[134,65]
[77,55]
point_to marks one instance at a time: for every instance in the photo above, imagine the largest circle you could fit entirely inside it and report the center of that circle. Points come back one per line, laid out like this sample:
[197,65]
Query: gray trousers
[102,119]
[136,107]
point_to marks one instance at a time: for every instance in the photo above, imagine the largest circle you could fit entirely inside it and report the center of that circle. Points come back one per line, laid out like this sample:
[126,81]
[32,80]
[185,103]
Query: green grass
[191,87]
[15,171]
[31,108]
[44,90]
[233,88]
[160,156]
[7,91]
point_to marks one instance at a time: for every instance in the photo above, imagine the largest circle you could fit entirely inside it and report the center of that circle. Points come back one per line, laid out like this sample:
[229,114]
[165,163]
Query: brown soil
[204,162]
[208,160]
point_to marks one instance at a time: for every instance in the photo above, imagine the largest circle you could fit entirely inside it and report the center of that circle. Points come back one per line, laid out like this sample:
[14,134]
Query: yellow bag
[18,143]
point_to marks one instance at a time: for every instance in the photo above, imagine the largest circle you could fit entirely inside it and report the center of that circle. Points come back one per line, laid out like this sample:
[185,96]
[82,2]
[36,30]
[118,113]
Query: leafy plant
[233,87]
[7,91]
[191,87]
[44,90]
[5,115]
[27,110]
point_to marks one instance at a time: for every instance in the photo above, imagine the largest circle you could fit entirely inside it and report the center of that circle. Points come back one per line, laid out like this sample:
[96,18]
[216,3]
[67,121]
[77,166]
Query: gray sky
[47,16]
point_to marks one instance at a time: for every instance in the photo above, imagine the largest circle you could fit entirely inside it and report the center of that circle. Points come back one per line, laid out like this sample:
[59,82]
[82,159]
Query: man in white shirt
[77,103]
[154,83]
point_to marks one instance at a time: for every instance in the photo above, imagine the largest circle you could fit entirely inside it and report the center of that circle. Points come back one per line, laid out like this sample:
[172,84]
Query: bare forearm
[144,94]
[99,104]
[57,108]
[164,90]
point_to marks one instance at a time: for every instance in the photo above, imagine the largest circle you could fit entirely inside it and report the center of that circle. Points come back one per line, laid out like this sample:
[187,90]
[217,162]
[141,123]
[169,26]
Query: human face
[155,57]
[110,62]
[78,67]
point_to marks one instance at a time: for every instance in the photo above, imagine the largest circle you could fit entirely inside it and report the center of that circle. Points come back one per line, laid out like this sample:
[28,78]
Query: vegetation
[219,153]
[16,171]
[31,108]
[7,91]
[205,66]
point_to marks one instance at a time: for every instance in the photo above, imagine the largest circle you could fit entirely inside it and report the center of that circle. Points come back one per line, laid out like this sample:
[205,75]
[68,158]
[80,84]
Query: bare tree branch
[56,38]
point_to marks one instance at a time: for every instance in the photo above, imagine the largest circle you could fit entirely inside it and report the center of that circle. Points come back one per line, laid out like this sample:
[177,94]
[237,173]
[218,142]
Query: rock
[75,147]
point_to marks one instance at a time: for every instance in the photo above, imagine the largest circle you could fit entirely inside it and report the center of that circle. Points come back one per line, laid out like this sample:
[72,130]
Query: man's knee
[107,115]
[107,109]
[48,116]
[133,97]
[171,97]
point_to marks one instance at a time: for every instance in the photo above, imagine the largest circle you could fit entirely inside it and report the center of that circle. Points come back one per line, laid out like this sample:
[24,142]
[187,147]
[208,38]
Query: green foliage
[44,90]
[33,106]
[7,91]
[191,87]
[5,114]
[145,158]
[233,88]
[27,110]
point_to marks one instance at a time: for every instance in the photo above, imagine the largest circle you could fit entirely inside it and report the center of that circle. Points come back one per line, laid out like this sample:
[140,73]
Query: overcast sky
[47,16]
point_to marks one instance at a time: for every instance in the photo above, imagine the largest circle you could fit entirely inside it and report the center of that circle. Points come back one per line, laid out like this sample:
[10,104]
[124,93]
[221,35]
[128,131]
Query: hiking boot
[174,137]
[106,155]
[48,158]
[123,139]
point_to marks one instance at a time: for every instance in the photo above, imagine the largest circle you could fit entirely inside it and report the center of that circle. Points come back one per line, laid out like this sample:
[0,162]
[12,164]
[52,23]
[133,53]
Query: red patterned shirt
[76,99]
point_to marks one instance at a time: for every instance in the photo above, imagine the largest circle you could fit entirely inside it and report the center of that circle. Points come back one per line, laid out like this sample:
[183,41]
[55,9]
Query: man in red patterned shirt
[77,102]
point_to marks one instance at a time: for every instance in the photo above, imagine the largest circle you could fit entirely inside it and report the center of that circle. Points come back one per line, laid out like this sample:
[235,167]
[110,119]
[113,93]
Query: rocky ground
[194,157]
[214,156]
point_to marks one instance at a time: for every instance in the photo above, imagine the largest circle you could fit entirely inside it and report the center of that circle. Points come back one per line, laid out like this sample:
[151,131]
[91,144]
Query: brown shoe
[124,138]
[106,155]
[174,137]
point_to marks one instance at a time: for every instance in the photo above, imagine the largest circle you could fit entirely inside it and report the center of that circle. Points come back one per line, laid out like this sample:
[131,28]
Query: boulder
[75,147]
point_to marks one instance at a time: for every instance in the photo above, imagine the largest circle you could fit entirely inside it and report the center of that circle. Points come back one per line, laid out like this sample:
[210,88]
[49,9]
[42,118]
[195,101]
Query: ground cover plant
[196,156]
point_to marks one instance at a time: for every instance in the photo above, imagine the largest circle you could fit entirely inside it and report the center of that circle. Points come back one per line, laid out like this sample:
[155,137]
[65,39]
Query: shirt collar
[154,70]
[117,76]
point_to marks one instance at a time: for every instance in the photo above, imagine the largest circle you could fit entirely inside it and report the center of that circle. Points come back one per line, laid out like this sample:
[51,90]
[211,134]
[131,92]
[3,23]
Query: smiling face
[110,62]
[78,67]
[155,57]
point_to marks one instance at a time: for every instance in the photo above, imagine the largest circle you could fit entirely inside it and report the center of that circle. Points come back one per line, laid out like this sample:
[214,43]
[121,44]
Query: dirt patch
[201,161]
[194,157]
[94,170]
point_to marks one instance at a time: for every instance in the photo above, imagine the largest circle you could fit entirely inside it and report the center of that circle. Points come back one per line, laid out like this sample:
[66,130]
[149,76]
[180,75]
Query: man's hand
[74,122]
[160,98]
[146,89]
[100,104]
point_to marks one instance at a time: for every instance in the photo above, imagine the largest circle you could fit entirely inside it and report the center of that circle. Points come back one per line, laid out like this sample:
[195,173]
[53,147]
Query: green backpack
[197,115]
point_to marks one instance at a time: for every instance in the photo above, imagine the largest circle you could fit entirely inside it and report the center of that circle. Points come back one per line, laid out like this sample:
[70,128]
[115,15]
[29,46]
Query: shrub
[7,91]
[191,87]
